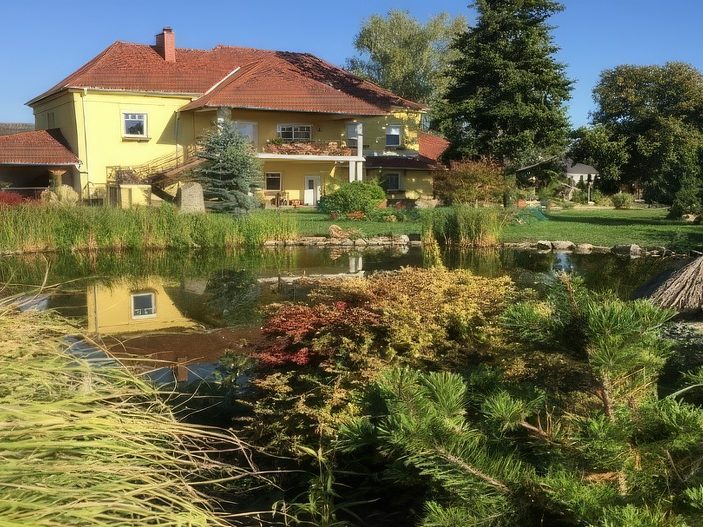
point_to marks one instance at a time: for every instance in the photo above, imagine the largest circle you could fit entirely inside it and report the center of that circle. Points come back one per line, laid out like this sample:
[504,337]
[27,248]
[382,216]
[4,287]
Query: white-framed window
[134,125]
[352,134]
[393,135]
[143,305]
[390,181]
[248,129]
[295,132]
[272,181]
[50,120]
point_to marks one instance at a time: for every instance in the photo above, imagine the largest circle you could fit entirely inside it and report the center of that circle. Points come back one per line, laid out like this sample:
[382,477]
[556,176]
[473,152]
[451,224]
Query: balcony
[309,148]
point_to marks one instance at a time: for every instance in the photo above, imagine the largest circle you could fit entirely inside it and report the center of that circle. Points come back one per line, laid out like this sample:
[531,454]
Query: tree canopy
[507,92]
[230,172]
[647,128]
[404,55]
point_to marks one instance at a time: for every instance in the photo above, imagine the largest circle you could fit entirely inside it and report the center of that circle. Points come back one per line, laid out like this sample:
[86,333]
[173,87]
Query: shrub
[688,199]
[353,197]
[580,196]
[471,182]
[11,198]
[316,354]
[623,200]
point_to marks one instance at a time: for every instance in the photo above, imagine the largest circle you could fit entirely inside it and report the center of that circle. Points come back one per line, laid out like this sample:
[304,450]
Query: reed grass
[463,226]
[92,444]
[41,228]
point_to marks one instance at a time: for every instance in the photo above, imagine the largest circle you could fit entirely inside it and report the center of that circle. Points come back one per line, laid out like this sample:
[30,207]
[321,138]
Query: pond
[181,311]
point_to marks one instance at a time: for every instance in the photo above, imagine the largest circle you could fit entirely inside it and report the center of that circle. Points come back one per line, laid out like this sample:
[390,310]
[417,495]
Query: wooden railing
[159,165]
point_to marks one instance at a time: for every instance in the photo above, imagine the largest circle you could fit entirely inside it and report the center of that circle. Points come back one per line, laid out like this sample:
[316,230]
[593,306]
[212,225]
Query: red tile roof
[431,148]
[41,147]
[266,79]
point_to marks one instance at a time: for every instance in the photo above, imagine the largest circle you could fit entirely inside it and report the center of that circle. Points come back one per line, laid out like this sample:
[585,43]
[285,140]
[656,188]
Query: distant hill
[13,128]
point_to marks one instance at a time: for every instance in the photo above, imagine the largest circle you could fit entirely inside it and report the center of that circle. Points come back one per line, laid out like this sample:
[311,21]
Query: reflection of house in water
[127,306]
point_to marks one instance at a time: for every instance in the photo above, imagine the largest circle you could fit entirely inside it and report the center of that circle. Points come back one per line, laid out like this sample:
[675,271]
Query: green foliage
[463,226]
[648,127]
[598,146]
[231,171]
[622,200]
[601,451]
[506,90]
[471,182]
[357,196]
[688,199]
[33,228]
[404,55]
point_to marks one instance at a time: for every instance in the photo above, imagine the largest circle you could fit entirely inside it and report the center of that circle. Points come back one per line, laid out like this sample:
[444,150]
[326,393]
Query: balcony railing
[311,148]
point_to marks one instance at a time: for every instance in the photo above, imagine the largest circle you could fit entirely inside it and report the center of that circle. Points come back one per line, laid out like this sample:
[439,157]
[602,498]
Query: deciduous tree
[404,55]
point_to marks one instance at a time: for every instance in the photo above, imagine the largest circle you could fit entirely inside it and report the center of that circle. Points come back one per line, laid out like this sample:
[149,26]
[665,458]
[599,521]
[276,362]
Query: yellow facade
[92,122]
[110,308]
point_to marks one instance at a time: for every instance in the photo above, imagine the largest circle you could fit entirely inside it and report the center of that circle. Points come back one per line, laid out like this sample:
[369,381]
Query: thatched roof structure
[683,290]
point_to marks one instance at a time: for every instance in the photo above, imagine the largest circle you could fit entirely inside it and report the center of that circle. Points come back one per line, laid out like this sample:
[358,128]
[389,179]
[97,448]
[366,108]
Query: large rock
[627,250]
[563,246]
[335,231]
[544,245]
[190,199]
[584,248]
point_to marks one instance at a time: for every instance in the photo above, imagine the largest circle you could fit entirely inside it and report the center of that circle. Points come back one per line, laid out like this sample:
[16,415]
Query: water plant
[463,226]
[35,228]
[85,442]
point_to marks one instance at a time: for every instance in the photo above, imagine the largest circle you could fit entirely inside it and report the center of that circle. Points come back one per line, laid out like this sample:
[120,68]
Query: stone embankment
[401,240]
[629,250]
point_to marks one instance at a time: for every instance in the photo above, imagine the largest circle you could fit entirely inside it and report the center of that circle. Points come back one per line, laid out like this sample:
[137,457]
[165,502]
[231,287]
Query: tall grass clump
[36,228]
[463,226]
[86,442]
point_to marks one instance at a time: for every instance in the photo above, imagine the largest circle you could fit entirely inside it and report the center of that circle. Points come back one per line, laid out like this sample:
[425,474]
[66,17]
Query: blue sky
[43,40]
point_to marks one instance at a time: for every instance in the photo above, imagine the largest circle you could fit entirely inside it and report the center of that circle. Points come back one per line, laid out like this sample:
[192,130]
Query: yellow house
[136,111]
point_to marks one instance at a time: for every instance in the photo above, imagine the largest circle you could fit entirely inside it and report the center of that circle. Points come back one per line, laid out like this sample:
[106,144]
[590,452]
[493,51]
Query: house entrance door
[312,190]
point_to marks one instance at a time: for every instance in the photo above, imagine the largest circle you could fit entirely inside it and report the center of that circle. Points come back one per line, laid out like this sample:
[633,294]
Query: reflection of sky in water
[196,293]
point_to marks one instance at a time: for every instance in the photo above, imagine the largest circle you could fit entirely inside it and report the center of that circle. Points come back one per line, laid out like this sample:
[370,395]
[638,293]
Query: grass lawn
[646,227]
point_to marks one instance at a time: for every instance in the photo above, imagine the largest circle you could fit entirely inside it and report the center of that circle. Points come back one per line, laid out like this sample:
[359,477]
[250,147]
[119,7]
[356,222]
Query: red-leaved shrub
[11,199]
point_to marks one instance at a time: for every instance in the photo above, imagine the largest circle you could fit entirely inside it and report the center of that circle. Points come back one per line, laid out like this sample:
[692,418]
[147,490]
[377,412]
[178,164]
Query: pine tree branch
[502,488]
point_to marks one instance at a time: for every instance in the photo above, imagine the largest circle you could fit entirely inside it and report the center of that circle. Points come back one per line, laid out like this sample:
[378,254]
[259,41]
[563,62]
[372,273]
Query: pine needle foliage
[495,450]
[231,171]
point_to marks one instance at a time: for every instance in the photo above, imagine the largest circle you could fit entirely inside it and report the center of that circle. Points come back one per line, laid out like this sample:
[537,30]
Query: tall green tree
[507,92]
[230,171]
[404,55]
[656,114]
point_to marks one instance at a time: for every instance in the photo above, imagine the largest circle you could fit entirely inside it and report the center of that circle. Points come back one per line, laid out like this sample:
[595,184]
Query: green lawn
[646,227]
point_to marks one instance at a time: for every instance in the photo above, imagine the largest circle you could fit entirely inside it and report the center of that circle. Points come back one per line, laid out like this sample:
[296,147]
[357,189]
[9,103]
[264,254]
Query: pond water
[181,311]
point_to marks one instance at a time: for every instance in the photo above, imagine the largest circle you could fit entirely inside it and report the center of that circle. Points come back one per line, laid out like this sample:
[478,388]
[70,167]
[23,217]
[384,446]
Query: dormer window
[134,125]
[295,133]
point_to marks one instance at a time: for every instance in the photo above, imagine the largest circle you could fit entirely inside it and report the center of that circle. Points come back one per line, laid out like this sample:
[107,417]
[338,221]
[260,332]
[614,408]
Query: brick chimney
[166,44]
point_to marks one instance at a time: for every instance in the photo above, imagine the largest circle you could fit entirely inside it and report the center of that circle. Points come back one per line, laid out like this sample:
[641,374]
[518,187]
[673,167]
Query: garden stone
[273,243]
[346,242]
[360,242]
[563,246]
[544,245]
[190,199]
[415,243]
[403,239]
[584,248]
[627,250]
